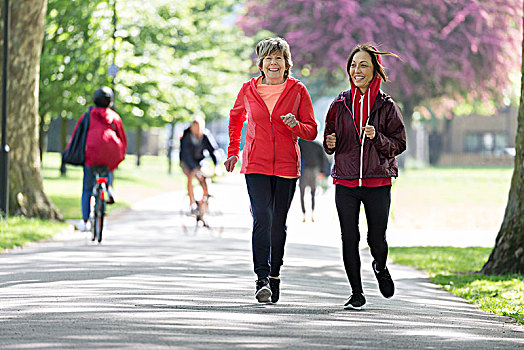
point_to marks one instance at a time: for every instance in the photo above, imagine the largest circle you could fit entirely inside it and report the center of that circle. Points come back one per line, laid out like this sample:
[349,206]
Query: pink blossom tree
[450,49]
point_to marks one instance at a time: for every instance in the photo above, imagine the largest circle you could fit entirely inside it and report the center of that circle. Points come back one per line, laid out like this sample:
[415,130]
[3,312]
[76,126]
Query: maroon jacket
[379,154]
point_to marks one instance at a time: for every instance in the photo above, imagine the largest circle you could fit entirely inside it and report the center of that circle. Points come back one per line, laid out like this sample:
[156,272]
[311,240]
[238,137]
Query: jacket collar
[290,82]
[346,95]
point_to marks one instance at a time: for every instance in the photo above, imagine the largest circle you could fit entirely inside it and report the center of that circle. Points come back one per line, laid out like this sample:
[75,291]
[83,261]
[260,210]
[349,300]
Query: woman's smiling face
[274,67]
[361,70]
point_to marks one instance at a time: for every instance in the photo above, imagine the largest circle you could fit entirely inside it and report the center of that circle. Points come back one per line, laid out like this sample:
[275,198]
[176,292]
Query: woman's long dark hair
[375,59]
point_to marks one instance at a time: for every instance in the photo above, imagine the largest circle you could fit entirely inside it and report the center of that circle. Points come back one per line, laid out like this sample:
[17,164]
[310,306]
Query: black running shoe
[263,293]
[385,283]
[355,302]
[274,284]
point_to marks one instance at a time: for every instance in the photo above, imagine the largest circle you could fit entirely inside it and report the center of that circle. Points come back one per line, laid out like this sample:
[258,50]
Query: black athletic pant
[270,198]
[376,202]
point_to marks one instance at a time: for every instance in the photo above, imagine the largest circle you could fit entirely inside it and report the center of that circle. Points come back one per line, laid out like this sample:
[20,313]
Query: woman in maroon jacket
[365,130]
[279,111]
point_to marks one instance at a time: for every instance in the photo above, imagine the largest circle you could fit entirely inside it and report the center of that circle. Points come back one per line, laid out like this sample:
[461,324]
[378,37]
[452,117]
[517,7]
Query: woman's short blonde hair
[197,119]
[270,45]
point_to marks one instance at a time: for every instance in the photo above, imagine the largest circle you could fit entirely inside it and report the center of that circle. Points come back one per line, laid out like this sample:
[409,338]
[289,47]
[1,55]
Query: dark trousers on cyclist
[270,198]
[87,189]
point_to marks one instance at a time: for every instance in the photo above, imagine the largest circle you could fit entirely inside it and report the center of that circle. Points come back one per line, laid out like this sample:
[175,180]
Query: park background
[458,84]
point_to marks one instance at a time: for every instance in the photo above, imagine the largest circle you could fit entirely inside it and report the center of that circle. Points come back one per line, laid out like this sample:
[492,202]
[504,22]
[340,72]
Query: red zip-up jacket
[106,140]
[271,147]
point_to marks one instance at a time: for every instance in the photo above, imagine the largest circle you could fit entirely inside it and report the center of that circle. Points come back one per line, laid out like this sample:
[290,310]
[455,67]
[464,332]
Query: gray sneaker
[263,292]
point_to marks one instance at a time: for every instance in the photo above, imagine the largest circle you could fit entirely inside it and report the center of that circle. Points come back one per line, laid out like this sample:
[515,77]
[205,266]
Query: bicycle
[200,210]
[98,202]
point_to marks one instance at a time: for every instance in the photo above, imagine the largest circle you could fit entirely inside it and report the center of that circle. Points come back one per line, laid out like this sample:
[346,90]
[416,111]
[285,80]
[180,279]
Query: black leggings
[376,202]
[270,198]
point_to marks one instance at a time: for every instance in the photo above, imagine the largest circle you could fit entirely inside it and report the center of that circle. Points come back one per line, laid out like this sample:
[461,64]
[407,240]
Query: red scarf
[365,104]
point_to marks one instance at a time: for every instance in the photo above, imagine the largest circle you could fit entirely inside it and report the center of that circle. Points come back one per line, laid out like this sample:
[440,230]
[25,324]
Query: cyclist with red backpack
[105,145]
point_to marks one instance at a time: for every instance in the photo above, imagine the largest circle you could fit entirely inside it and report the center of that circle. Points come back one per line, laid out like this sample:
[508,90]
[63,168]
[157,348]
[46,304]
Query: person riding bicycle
[195,140]
[106,145]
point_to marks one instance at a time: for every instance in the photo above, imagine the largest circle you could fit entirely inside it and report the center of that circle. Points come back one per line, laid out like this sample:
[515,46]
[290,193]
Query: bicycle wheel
[93,216]
[99,223]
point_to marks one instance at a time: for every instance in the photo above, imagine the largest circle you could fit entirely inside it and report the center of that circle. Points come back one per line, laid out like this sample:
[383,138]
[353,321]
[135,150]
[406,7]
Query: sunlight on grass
[459,185]
[17,231]
[437,260]
[455,269]
[450,198]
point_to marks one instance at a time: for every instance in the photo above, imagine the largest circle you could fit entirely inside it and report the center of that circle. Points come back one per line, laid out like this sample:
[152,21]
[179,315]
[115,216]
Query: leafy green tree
[174,59]
[178,59]
[75,57]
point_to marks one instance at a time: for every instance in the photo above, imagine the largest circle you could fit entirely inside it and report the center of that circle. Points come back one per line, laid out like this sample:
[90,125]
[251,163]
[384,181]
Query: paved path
[153,285]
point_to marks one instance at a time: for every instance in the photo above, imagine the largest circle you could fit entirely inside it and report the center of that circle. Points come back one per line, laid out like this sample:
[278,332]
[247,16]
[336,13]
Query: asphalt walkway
[156,282]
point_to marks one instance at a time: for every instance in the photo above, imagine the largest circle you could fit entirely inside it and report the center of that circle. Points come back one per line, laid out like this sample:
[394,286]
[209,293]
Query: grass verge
[455,269]
[17,231]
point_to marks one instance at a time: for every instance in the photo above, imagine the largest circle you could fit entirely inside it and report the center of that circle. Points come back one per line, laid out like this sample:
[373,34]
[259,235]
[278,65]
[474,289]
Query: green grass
[455,269]
[131,184]
[17,231]
[457,185]
[450,198]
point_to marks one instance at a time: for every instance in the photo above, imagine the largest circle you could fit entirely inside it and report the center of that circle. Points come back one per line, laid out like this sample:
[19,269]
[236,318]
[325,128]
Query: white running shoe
[83,226]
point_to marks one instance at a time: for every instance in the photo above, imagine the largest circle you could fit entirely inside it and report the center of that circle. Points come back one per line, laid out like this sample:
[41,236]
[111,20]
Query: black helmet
[103,97]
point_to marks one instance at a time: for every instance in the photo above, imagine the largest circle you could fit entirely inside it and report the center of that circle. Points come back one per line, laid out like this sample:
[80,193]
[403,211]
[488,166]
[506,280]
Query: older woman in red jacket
[365,130]
[279,111]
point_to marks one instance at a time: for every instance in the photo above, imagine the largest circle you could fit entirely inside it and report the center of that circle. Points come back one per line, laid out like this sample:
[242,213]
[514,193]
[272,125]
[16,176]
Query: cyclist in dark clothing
[195,140]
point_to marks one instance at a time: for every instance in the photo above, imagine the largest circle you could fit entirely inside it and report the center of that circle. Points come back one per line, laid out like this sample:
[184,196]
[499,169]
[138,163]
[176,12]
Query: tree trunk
[508,254]
[26,195]
[64,123]
[435,147]
[407,113]
[41,137]
[170,144]
[139,136]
